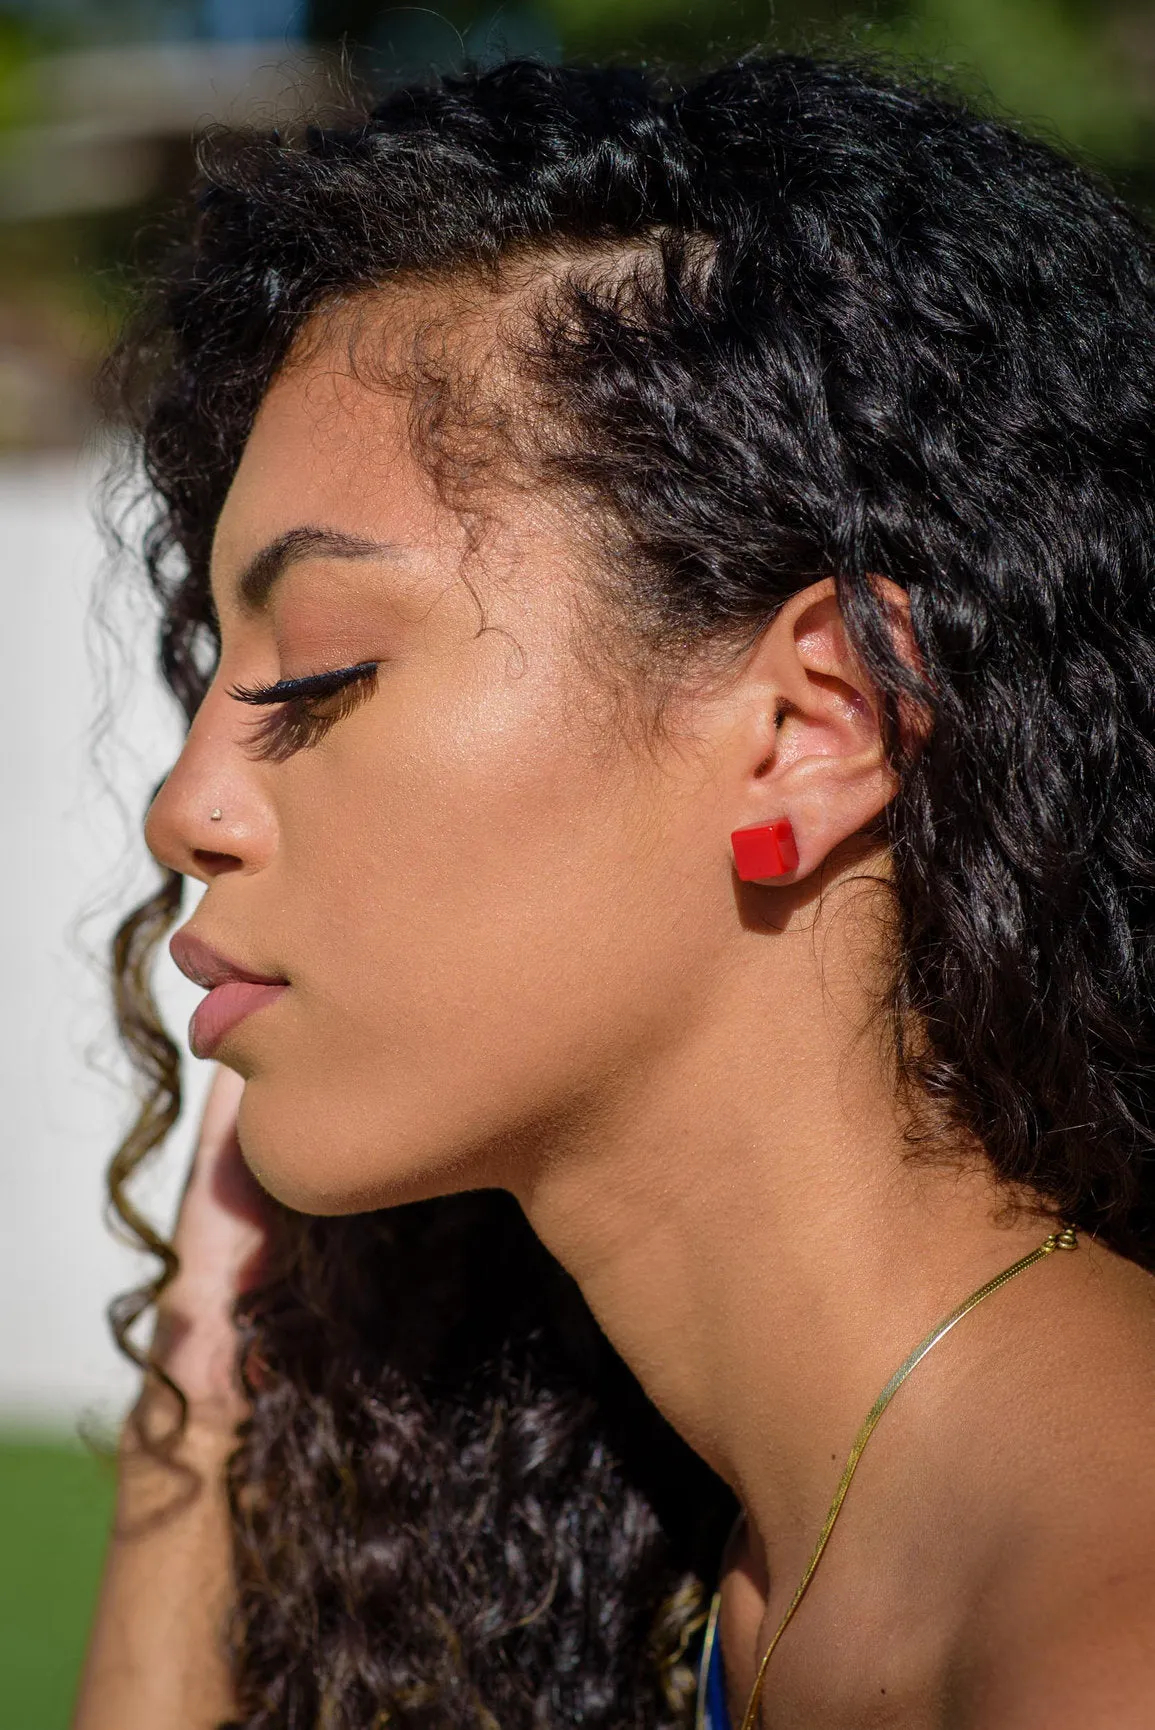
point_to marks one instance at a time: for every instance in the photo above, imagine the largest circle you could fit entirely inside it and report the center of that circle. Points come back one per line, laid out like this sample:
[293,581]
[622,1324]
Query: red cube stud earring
[764,850]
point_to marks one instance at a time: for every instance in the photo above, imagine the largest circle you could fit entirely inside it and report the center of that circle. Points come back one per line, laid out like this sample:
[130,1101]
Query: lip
[234,992]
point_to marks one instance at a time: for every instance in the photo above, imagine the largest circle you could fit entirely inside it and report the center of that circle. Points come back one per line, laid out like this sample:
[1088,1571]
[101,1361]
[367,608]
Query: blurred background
[99,103]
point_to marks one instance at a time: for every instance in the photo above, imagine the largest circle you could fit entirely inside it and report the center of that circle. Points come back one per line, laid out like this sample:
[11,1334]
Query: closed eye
[304,710]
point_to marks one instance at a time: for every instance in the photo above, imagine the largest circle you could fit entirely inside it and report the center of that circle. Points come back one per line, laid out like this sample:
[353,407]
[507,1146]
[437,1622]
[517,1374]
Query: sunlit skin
[518,955]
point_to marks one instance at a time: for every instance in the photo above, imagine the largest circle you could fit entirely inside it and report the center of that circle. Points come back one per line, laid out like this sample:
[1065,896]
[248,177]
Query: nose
[211,813]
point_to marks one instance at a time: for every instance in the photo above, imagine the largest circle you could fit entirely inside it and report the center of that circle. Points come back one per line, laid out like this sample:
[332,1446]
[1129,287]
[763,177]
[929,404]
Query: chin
[321,1159]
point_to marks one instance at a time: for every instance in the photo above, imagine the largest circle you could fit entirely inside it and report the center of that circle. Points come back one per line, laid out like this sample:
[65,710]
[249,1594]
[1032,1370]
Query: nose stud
[215,815]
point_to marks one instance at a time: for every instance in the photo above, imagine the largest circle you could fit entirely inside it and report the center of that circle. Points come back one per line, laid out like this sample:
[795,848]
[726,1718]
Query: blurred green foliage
[55,1507]
[1052,64]
[18,45]
[1084,69]
[1082,72]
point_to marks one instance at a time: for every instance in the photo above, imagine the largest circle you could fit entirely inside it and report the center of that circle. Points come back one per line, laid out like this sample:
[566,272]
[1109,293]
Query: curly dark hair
[865,330]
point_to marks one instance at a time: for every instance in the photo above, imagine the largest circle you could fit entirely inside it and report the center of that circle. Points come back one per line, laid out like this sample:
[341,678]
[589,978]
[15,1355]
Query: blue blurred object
[169,20]
[253,20]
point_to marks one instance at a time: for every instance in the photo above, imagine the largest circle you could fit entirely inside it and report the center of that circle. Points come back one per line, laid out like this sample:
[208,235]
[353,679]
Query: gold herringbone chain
[1063,1239]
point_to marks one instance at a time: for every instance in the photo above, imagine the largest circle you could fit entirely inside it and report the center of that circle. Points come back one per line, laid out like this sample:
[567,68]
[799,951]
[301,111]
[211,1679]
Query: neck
[749,1226]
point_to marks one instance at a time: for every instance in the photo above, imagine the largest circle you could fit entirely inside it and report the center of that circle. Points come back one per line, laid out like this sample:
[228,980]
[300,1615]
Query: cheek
[476,912]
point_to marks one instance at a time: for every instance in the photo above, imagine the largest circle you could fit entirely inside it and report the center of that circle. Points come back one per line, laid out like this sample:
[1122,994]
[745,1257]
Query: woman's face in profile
[494,907]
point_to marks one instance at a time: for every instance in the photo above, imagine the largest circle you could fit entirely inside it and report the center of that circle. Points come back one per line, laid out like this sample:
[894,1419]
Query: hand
[222,1241]
[157,1654]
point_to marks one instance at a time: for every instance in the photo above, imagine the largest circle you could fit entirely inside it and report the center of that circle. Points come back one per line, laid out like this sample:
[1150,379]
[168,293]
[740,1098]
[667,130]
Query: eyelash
[295,723]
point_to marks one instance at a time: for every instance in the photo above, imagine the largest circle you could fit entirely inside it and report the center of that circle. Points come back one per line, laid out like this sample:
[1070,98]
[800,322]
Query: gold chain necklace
[1065,1238]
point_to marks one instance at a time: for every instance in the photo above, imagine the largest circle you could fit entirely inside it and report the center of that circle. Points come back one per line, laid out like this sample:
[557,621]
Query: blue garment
[717,1716]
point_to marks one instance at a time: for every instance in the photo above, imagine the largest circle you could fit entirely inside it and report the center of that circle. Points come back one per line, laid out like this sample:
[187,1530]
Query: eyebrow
[259,577]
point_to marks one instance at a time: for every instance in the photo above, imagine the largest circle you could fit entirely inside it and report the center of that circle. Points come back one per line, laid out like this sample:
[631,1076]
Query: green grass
[55,1507]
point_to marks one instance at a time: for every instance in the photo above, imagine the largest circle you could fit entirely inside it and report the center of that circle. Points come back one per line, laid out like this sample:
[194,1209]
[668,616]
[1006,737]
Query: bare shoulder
[1092,1668]
[1069,1636]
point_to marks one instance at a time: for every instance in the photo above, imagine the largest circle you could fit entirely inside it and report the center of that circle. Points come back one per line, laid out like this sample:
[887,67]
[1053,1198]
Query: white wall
[68,842]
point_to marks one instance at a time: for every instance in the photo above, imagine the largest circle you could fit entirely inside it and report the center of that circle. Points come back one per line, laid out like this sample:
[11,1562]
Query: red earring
[764,850]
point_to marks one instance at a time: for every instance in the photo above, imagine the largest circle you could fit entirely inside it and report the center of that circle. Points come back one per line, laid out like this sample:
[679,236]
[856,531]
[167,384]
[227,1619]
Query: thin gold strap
[1063,1239]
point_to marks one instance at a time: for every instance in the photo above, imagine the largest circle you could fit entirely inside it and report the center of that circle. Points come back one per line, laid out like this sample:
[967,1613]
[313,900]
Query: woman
[660,580]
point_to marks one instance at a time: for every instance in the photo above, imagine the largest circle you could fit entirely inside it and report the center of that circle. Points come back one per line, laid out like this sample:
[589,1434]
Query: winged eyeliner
[312,685]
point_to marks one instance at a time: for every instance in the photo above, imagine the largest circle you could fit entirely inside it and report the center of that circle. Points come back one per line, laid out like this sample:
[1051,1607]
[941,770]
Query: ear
[807,741]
